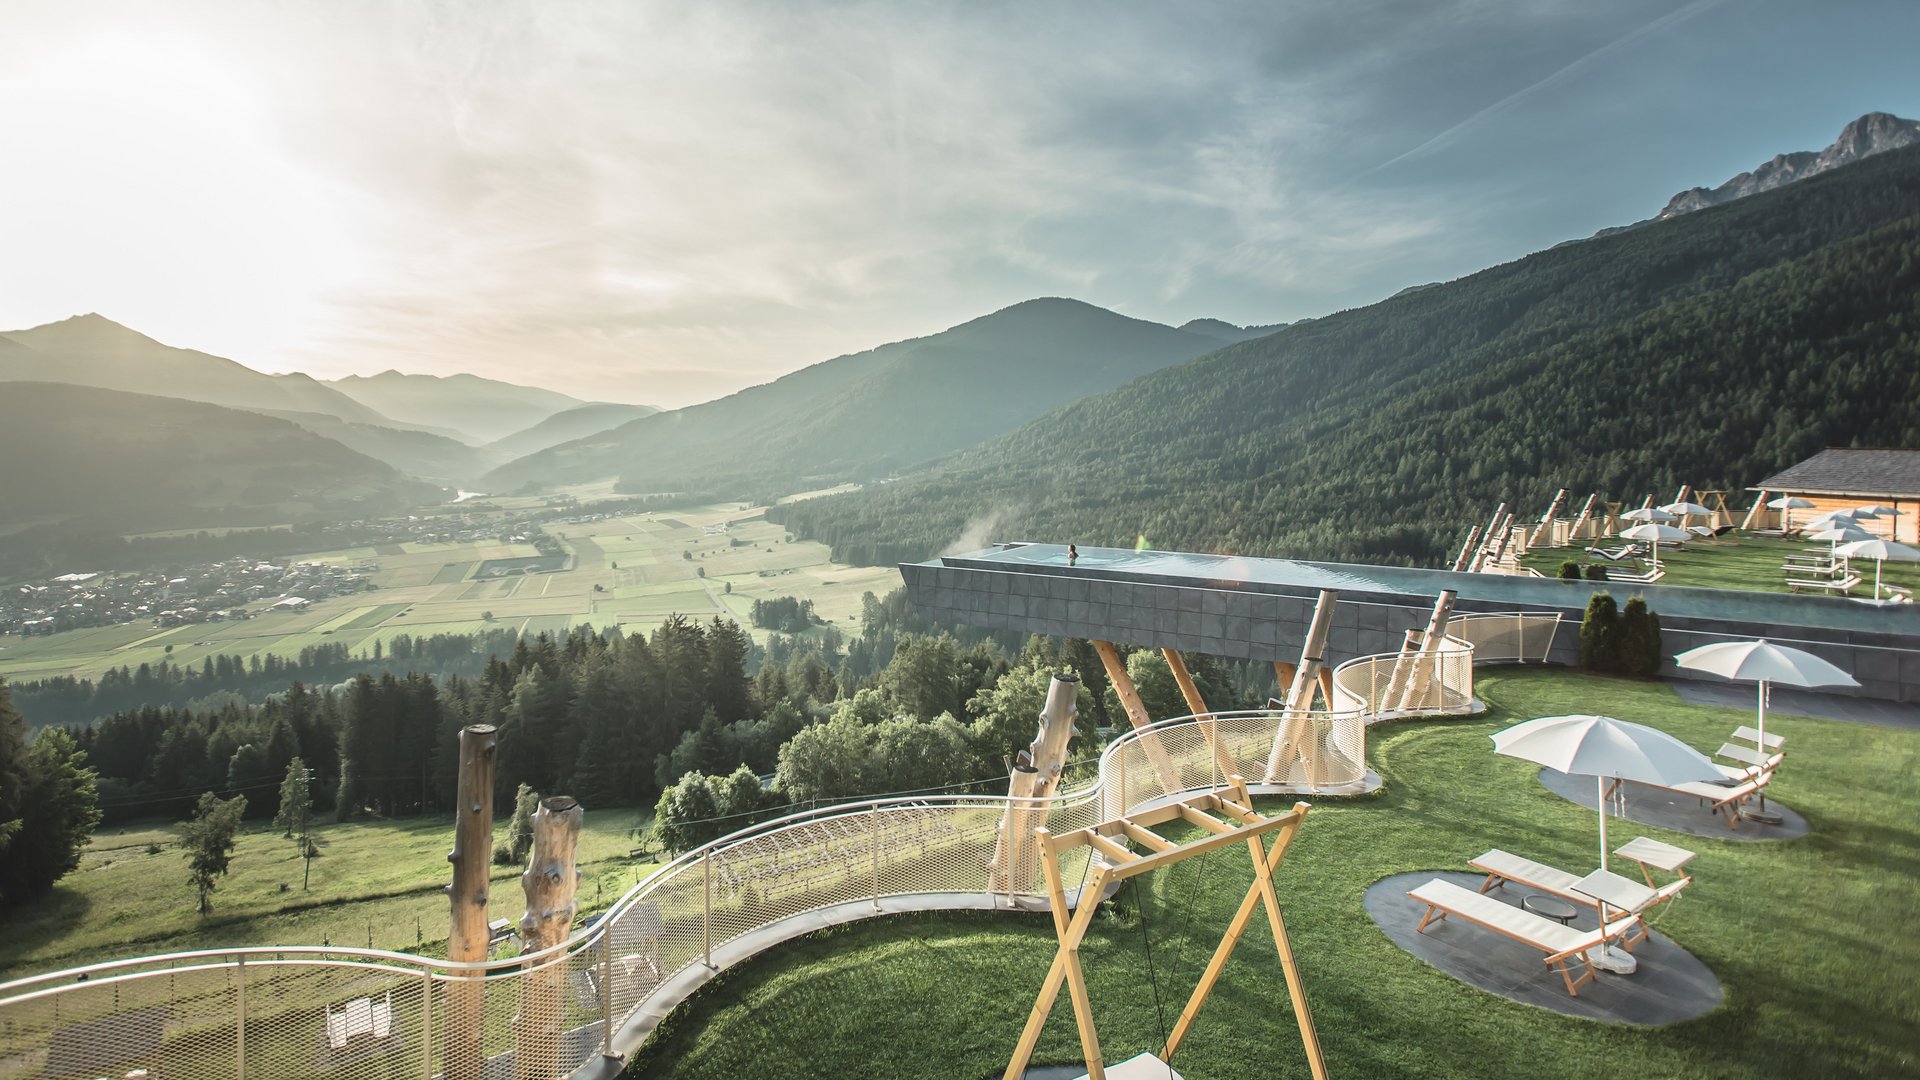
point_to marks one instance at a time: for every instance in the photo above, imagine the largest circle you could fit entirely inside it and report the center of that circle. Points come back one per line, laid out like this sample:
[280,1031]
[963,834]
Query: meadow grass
[425,590]
[373,879]
[1808,938]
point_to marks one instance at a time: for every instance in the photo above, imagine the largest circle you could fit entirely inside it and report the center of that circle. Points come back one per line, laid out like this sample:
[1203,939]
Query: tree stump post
[549,882]
[467,936]
[1016,860]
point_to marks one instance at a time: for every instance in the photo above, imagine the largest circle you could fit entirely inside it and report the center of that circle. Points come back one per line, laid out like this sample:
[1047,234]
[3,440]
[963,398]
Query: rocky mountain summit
[1873,133]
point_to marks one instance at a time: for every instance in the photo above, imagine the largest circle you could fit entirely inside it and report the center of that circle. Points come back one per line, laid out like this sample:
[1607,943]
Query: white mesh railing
[351,1013]
[1506,637]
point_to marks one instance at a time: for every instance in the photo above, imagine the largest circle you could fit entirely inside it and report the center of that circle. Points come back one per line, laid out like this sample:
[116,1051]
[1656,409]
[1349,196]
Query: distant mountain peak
[1226,331]
[1873,133]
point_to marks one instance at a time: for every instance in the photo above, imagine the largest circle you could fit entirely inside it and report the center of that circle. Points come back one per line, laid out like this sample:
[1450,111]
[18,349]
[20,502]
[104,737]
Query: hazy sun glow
[149,180]
[662,203]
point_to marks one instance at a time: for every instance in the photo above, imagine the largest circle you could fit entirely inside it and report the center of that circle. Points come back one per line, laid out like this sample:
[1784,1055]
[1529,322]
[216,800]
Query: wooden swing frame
[1109,840]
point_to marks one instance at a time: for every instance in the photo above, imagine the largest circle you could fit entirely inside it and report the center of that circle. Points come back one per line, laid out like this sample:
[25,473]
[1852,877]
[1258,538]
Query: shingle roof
[1840,471]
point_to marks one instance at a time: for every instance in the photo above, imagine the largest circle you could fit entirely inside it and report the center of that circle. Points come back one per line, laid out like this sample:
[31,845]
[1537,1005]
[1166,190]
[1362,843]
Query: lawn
[1753,563]
[379,879]
[1808,938]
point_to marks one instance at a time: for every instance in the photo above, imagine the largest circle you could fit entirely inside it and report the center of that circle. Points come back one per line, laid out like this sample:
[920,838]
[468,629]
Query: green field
[1750,562]
[423,589]
[1808,938]
[372,879]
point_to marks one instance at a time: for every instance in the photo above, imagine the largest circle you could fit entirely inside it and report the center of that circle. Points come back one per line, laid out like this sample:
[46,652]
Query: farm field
[702,562]
[373,879]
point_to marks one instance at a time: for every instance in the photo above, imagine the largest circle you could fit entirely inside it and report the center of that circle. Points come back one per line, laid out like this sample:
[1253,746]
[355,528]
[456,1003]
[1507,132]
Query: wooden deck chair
[1502,867]
[1563,945]
[1727,799]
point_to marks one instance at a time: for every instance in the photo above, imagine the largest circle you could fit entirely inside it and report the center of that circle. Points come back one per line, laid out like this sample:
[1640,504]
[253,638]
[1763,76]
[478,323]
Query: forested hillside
[867,415]
[1712,349]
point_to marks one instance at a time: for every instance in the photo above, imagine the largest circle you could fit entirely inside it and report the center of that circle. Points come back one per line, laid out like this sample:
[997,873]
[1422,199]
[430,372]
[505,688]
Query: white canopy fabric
[1839,533]
[1648,513]
[1787,504]
[1763,662]
[1881,552]
[1657,533]
[1600,746]
[1687,509]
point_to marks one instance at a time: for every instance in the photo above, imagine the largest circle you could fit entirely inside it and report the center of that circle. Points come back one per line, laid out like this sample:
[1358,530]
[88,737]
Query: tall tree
[209,841]
[296,800]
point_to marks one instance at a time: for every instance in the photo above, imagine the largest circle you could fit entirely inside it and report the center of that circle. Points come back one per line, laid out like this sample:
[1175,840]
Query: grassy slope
[1807,938]
[1753,563]
[123,901]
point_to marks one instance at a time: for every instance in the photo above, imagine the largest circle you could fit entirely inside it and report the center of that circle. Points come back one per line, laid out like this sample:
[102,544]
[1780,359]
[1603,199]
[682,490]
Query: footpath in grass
[1808,938]
[374,881]
[1750,562]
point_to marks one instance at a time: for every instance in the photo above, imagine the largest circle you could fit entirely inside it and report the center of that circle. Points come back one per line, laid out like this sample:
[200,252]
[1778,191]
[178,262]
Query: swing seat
[1143,1067]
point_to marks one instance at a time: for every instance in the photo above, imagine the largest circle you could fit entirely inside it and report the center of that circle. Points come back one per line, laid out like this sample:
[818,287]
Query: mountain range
[1712,348]
[1351,435]
[1873,133]
[868,415]
[138,461]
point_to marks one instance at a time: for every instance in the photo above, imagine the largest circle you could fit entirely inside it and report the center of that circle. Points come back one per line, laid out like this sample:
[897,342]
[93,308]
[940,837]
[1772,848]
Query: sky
[662,203]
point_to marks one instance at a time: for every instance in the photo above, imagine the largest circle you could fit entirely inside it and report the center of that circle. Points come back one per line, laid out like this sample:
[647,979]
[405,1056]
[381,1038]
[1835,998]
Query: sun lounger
[1722,798]
[1563,945]
[1503,866]
[1746,734]
[1839,585]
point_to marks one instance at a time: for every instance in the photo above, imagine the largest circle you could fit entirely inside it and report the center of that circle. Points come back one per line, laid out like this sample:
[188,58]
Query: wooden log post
[1197,705]
[1465,558]
[1757,513]
[1413,694]
[549,882]
[1553,511]
[1486,543]
[467,936]
[1016,859]
[1295,740]
[1499,545]
[1586,516]
[1136,711]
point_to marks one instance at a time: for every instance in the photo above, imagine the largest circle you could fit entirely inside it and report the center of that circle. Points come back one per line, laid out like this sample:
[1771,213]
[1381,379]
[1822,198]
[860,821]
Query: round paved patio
[1671,985]
[1670,810]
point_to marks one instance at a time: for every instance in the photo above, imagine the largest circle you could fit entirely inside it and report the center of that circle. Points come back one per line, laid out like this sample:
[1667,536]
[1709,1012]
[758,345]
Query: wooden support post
[1553,511]
[1136,711]
[1027,788]
[1066,965]
[1493,525]
[467,936]
[1465,558]
[1499,543]
[1413,693]
[1755,513]
[549,882]
[1222,761]
[1295,740]
[1586,516]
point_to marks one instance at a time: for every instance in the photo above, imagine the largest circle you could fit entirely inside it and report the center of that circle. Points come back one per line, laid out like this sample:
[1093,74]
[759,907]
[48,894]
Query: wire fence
[365,1013]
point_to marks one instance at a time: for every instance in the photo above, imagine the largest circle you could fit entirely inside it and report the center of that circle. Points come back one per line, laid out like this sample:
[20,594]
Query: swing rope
[1194,891]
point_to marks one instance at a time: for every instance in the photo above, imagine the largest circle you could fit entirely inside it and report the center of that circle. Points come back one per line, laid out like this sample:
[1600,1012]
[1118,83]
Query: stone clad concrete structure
[1258,609]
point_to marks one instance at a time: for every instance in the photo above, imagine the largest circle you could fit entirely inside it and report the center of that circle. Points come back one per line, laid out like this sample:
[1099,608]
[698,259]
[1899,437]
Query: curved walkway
[1672,984]
[744,893]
